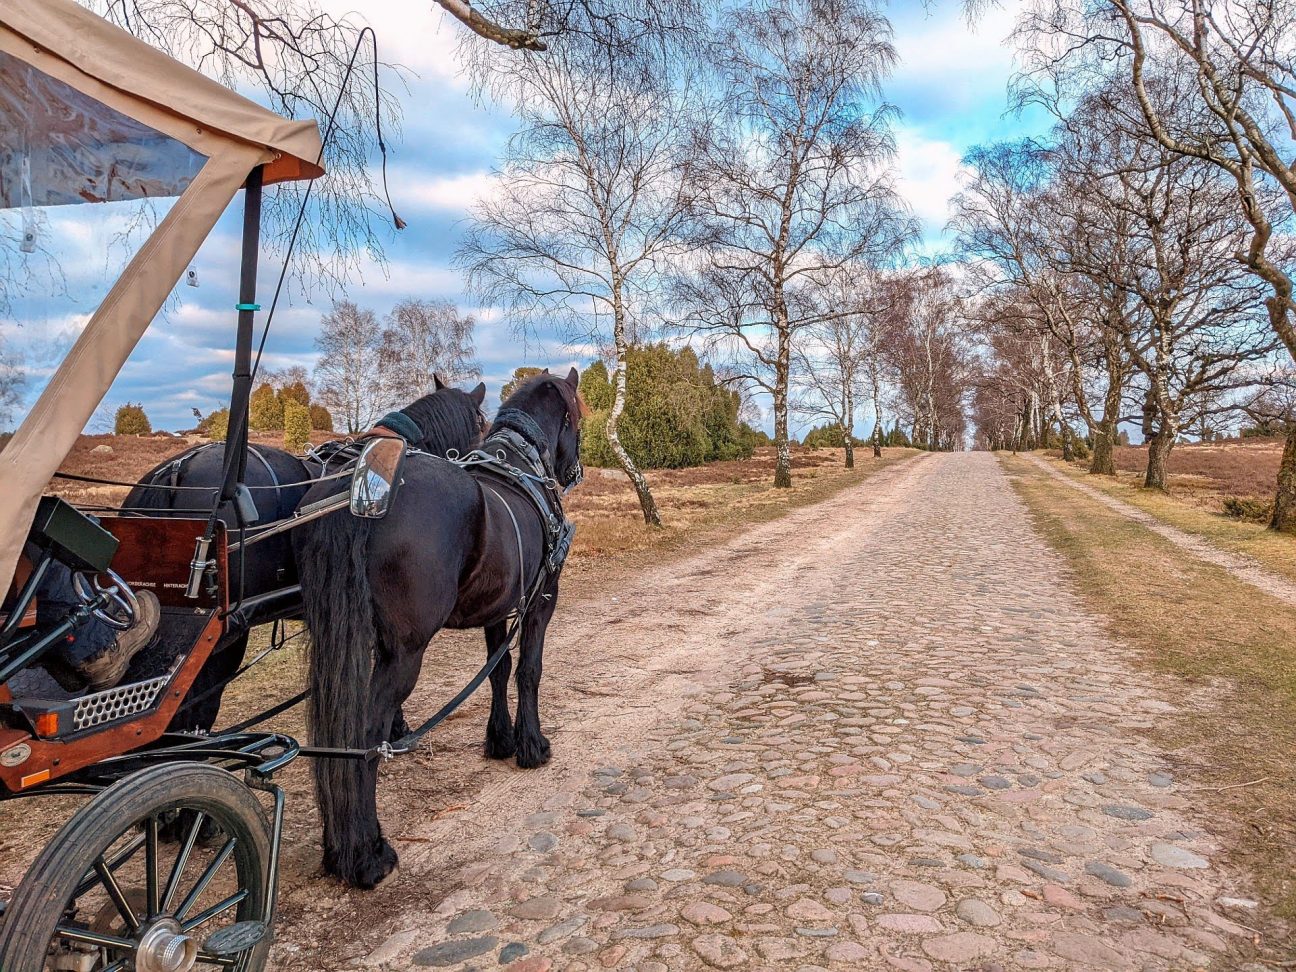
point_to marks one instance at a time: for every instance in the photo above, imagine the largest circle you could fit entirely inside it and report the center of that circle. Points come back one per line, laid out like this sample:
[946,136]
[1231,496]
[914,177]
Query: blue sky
[949,86]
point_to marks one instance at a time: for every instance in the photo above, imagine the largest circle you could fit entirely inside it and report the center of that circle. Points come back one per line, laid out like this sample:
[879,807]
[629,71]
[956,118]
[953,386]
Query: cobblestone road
[920,754]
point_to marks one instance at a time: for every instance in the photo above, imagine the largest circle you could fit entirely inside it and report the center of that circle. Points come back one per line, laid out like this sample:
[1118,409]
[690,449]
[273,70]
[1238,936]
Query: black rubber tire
[46,890]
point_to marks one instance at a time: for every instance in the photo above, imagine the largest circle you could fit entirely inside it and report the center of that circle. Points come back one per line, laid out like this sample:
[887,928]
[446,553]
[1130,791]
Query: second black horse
[458,549]
[186,485]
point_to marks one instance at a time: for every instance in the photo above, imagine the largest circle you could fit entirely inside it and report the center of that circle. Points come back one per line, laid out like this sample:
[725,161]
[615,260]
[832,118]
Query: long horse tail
[338,609]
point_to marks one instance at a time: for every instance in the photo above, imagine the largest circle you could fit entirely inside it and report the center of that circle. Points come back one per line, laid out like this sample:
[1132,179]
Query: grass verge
[1234,647]
[1275,551]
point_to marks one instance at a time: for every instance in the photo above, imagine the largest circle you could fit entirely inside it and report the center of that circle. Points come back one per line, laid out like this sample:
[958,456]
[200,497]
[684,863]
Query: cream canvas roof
[110,55]
[73,46]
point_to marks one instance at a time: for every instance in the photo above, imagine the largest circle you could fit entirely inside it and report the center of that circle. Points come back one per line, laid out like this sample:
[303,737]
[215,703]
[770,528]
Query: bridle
[574,475]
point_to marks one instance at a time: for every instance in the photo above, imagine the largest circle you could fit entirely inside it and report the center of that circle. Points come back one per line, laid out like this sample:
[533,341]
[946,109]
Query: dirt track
[618,661]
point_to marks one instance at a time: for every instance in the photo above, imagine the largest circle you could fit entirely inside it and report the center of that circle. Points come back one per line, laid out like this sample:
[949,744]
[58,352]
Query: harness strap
[270,713]
[274,478]
[517,531]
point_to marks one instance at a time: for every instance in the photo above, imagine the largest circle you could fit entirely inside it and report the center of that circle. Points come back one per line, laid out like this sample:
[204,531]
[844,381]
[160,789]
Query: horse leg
[532,746]
[500,743]
[400,728]
[395,672]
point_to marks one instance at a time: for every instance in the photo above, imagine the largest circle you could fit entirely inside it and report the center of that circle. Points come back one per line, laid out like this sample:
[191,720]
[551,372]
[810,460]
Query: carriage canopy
[89,114]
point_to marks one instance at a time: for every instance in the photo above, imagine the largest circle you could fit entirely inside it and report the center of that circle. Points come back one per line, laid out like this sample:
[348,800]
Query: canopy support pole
[236,433]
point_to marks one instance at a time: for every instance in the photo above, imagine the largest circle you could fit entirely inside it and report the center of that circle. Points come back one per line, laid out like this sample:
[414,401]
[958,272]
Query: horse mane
[574,400]
[448,420]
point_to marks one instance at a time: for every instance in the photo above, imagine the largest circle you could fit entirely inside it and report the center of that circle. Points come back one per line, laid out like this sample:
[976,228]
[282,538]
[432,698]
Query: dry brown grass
[1233,647]
[1186,511]
[1206,471]
[1205,474]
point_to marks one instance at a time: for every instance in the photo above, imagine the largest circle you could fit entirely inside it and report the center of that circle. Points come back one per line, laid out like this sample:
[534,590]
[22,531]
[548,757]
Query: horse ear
[437,382]
[478,394]
[545,372]
[573,378]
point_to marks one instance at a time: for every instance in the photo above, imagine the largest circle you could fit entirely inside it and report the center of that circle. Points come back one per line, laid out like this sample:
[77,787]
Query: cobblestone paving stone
[931,759]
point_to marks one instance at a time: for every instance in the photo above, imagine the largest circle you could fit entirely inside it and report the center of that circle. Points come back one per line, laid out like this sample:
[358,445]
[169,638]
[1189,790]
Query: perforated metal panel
[117,703]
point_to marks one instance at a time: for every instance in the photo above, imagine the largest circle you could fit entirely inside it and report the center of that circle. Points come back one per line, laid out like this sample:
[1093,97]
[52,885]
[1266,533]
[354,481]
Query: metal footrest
[116,703]
[53,718]
[235,939]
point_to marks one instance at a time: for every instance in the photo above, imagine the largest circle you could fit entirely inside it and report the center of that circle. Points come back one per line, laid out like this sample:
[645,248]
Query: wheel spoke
[182,858]
[151,867]
[115,892]
[192,898]
[88,937]
[205,916]
[118,859]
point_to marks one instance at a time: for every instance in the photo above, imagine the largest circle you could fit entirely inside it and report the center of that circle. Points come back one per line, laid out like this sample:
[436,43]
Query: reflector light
[33,779]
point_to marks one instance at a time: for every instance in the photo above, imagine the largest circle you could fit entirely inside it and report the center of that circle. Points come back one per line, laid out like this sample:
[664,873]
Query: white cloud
[455,193]
[928,176]
[940,51]
[416,35]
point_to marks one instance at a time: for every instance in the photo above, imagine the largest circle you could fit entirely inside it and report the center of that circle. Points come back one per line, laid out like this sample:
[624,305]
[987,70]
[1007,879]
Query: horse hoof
[400,728]
[369,871]
[533,752]
[176,826]
[501,746]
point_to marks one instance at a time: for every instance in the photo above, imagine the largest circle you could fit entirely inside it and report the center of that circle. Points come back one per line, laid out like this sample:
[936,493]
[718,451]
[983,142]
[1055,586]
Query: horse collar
[402,425]
[522,433]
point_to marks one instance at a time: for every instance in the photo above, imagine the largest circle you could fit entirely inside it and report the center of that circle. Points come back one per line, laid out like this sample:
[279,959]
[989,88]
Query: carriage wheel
[109,894]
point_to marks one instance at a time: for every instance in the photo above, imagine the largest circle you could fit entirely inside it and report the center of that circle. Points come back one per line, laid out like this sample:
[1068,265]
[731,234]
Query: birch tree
[1212,82]
[792,181]
[422,338]
[590,201]
[840,361]
[347,374]
[1003,227]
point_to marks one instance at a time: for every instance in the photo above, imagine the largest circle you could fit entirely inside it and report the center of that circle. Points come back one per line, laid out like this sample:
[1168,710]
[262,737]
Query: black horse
[460,548]
[448,419]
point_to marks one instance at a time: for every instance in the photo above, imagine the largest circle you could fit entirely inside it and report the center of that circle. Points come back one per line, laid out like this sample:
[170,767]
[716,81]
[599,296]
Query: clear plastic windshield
[60,150]
[59,147]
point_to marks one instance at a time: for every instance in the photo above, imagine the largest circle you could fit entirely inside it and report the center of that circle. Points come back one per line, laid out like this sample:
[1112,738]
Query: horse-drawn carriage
[172,862]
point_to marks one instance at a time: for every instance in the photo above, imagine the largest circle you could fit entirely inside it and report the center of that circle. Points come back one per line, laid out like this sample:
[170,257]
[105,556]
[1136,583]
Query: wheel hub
[164,947]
